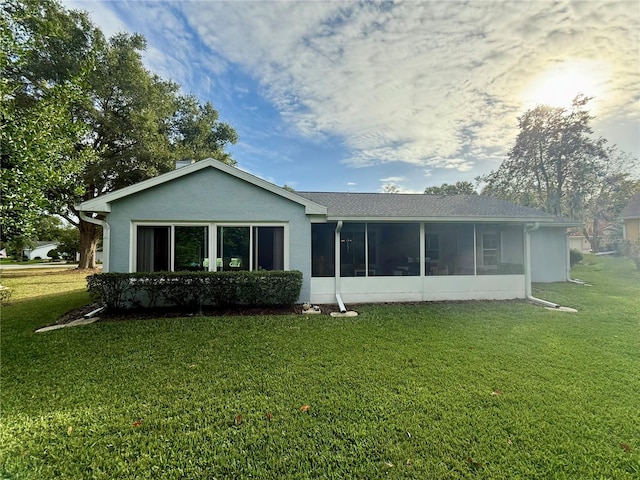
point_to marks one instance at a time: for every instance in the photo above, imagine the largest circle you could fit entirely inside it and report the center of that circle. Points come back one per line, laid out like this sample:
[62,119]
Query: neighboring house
[40,250]
[354,247]
[630,215]
[580,243]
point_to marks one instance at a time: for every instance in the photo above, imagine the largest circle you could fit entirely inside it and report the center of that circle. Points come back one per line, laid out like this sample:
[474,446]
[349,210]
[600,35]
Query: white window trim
[212,243]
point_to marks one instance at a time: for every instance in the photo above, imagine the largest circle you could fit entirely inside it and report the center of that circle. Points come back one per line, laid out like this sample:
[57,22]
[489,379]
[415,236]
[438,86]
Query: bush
[53,254]
[575,256]
[191,290]
[631,250]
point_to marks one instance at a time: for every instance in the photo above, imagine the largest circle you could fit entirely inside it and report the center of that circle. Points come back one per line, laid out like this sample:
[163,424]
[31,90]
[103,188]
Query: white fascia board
[519,220]
[102,203]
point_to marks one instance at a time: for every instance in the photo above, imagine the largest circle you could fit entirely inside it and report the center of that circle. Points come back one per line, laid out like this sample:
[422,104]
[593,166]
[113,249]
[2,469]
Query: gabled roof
[632,209]
[357,206]
[398,206]
[102,204]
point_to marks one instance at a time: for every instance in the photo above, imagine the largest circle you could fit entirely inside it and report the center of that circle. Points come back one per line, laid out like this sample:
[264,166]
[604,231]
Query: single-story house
[350,247]
[579,242]
[40,250]
[630,215]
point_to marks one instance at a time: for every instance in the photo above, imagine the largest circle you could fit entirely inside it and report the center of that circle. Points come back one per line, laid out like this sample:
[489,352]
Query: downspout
[343,309]
[527,276]
[106,238]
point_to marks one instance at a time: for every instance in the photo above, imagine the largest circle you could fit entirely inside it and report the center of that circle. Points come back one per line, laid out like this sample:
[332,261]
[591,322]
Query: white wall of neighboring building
[40,251]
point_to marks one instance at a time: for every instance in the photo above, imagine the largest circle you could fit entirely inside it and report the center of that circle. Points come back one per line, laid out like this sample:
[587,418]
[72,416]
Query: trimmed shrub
[53,254]
[575,256]
[192,290]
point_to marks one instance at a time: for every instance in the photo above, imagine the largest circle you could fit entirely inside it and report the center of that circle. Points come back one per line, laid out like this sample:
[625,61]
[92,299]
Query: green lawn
[447,390]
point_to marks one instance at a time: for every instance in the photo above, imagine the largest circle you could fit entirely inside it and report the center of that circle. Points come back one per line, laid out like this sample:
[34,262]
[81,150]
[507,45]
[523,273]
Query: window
[233,248]
[393,249]
[191,249]
[268,251]
[186,247]
[152,252]
[449,249]
[500,250]
[323,249]
[490,250]
[352,251]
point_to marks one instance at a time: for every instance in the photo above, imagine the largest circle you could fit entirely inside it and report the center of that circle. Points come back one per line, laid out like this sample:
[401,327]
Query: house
[350,247]
[630,215]
[579,242]
[40,250]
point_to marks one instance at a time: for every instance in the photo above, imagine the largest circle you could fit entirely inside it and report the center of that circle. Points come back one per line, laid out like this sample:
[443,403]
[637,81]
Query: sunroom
[415,261]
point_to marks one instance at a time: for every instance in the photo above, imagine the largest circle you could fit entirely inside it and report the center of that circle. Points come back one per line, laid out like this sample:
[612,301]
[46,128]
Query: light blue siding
[549,255]
[210,195]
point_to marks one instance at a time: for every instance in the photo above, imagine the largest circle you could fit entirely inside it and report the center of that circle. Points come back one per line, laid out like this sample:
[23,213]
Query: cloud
[417,82]
[434,84]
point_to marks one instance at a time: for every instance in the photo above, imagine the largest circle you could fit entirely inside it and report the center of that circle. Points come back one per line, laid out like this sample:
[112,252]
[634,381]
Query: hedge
[191,290]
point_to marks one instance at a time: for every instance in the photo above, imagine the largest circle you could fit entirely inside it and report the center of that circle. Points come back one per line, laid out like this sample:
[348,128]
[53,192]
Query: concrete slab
[350,313]
[74,323]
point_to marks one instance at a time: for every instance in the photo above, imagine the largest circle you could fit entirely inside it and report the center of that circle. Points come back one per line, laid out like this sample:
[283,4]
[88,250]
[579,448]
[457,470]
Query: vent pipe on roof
[184,163]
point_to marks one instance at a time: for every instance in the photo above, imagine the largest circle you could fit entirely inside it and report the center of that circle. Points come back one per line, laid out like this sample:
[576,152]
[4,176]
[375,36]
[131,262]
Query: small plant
[53,254]
[575,257]
[5,295]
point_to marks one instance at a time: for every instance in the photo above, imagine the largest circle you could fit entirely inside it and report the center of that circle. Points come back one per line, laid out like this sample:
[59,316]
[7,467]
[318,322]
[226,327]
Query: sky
[361,96]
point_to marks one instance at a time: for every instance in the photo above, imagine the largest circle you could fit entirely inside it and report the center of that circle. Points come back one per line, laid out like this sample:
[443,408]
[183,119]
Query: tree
[605,202]
[554,161]
[69,239]
[139,127]
[458,188]
[81,117]
[44,58]
[557,166]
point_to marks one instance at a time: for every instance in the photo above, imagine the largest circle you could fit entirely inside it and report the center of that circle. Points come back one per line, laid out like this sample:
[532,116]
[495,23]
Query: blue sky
[353,96]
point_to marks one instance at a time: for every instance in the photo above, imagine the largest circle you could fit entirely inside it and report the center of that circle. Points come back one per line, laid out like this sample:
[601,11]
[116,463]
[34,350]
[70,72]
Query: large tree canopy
[457,188]
[557,165]
[44,59]
[90,113]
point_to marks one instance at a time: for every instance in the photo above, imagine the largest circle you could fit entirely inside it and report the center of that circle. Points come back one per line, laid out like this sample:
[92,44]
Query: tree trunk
[595,246]
[89,236]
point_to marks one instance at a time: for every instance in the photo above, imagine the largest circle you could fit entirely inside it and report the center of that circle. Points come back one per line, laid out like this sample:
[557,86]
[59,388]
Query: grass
[446,390]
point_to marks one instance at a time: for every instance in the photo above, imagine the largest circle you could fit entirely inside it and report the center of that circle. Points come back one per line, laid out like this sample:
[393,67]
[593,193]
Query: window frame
[212,247]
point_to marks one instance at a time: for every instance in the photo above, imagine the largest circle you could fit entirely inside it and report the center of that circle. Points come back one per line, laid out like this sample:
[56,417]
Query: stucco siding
[418,289]
[549,255]
[210,196]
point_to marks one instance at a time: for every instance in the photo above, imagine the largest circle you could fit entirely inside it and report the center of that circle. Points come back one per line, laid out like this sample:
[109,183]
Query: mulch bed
[170,312]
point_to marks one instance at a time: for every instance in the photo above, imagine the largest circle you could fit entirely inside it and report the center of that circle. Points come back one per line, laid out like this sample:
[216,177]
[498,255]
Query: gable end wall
[210,196]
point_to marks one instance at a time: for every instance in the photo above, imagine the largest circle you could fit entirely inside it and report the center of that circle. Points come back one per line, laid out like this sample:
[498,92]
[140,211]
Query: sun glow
[560,84]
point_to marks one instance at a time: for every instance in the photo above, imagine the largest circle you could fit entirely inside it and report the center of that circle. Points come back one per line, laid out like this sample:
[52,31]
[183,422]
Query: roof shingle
[422,206]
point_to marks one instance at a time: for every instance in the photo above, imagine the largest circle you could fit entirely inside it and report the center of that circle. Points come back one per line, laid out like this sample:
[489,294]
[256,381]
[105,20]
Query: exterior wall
[632,229]
[579,242]
[418,289]
[40,251]
[209,196]
[549,255]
